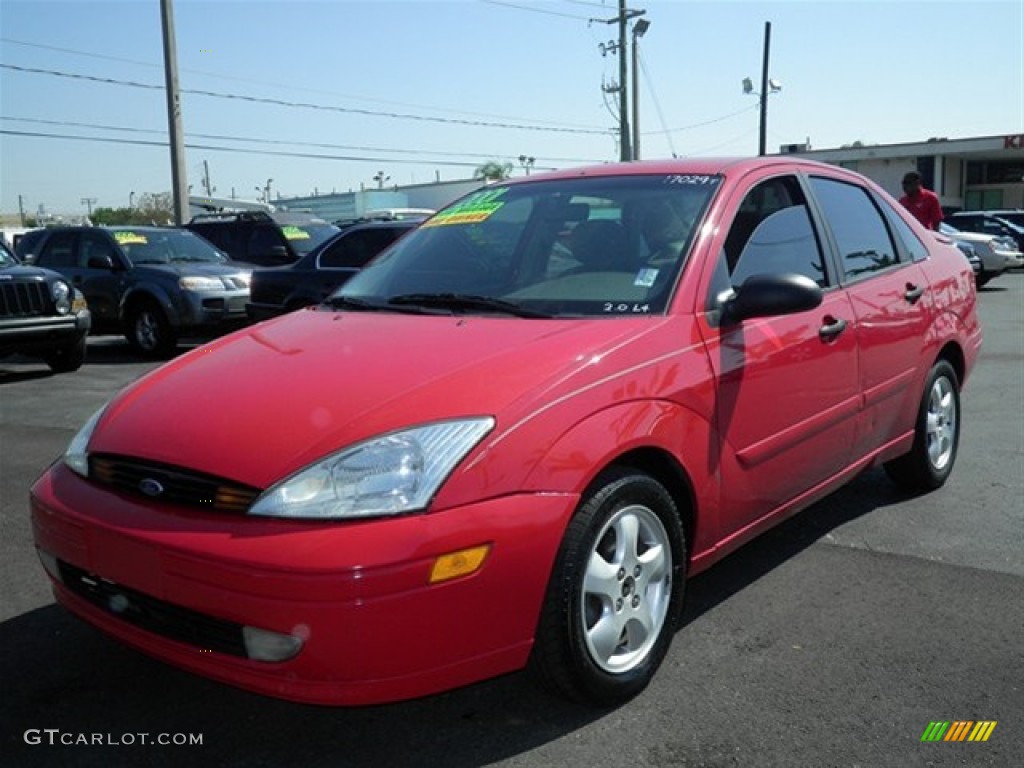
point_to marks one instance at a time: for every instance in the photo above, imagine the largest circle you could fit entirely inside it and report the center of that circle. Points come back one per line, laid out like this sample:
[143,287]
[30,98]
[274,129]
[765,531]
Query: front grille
[30,299]
[236,304]
[173,485]
[174,622]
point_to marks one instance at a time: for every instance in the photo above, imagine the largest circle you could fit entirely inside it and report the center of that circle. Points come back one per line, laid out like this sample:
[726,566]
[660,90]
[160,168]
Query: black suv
[316,275]
[153,284]
[264,239]
[41,315]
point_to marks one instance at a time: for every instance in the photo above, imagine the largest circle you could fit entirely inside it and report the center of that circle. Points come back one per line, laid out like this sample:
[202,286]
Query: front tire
[616,592]
[148,331]
[936,435]
[68,359]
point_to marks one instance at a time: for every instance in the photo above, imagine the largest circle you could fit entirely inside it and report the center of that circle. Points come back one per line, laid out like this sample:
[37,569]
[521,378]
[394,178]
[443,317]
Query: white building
[969,174]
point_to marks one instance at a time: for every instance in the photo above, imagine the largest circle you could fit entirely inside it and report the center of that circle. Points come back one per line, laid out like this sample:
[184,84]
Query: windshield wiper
[456,301]
[351,302]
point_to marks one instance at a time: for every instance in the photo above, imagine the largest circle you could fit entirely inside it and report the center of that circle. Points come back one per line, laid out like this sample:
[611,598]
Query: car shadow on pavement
[62,674]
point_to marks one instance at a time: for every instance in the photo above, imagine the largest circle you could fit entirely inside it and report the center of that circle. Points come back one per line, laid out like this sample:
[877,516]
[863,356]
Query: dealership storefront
[969,174]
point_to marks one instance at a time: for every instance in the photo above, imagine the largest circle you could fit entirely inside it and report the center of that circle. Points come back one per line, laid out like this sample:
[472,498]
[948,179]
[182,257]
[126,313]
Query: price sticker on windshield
[130,238]
[472,210]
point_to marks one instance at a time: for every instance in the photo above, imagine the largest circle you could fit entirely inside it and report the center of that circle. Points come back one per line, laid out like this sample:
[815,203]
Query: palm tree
[493,171]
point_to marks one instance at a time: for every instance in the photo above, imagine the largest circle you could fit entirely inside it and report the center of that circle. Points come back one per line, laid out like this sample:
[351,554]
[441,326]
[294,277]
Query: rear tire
[930,461]
[616,592]
[69,358]
[148,331]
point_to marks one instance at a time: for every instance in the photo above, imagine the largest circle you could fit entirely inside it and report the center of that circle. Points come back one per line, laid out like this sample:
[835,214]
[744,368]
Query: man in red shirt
[923,203]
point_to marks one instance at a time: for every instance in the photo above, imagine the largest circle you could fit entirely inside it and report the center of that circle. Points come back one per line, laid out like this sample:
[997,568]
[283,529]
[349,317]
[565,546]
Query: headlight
[61,292]
[387,475]
[244,277]
[201,284]
[76,456]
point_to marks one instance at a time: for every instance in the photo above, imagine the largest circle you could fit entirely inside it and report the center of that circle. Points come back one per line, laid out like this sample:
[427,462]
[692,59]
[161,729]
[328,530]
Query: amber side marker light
[460,563]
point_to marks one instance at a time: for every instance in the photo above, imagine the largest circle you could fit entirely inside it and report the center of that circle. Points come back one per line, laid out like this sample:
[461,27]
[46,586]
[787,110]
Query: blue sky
[877,72]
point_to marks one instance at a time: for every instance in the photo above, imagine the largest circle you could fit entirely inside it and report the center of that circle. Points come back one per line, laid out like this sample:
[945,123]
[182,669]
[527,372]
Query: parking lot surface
[833,640]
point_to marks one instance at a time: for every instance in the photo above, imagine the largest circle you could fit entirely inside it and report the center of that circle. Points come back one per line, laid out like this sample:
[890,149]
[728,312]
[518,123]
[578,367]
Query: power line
[279,142]
[308,105]
[657,103]
[545,11]
[242,150]
[289,86]
[712,121]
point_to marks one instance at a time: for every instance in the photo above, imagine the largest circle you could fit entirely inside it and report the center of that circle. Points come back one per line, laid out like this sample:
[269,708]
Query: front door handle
[913,293]
[832,328]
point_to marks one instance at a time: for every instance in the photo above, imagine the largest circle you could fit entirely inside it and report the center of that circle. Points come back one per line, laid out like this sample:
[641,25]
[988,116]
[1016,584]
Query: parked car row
[158,285]
[996,253]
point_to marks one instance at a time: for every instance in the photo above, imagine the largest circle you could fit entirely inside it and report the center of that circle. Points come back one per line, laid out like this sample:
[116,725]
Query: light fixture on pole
[768,87]
[640,27]
[527,163]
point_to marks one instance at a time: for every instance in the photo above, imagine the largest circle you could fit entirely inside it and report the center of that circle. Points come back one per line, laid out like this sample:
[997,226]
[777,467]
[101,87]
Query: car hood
[23,272]
[267,401]
[195,268]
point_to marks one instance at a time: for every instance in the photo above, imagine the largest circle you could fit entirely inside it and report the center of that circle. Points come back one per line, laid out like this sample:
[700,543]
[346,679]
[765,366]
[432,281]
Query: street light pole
[763,133]
[639,28]
[625,152]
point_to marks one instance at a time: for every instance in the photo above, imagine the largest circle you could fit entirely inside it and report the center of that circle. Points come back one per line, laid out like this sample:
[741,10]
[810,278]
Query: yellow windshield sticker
[295,233]
[130,238]
[474,209]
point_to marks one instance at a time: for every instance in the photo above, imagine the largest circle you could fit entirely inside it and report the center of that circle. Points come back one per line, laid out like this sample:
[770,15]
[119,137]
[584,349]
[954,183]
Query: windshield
[166,246]
[6,257]
[606,246]
[305,237]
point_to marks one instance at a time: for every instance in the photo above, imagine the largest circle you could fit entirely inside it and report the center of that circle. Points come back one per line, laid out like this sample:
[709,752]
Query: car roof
[683,166]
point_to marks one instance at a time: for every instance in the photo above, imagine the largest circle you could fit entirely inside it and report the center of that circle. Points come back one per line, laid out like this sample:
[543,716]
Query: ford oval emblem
[151,487]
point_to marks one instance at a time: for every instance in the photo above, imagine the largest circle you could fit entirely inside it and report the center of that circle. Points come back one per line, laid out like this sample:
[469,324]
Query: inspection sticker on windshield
[472,210]
[295,233]
[130,238]
[645,278]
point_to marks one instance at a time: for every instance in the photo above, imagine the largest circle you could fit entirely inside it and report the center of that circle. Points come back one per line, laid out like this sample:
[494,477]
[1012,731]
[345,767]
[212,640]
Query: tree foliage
[152,208]
[493,171]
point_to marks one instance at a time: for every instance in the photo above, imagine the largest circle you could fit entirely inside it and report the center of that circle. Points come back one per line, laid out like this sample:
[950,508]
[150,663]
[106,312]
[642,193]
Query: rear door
[892,303]
[788,396]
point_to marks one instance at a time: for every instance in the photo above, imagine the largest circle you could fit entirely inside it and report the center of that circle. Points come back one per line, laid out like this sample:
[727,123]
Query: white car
[997,254]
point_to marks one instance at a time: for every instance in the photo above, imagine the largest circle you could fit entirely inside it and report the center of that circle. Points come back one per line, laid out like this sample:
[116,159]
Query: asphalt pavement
[833,640]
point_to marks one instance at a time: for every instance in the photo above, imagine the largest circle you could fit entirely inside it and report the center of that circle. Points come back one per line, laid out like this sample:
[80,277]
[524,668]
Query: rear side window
[865,246]
[58,251]
[911,243]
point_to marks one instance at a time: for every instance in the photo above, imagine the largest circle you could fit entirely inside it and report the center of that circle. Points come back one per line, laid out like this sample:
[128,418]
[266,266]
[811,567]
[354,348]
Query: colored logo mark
[958,730]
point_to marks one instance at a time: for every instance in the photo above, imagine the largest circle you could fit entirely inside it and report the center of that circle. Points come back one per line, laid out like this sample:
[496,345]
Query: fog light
[49,563]
[461,563]
[264,645]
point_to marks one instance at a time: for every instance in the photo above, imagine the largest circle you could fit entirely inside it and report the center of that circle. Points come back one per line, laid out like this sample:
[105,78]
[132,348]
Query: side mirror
[100,262]
[769,295]
[28,258]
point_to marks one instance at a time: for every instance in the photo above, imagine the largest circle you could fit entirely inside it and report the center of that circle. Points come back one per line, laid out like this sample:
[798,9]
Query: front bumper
[358,593]
[34,335]
[211,311]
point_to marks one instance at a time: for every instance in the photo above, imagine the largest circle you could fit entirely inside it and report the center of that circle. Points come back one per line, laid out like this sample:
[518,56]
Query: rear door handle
[913,293]
[832,328]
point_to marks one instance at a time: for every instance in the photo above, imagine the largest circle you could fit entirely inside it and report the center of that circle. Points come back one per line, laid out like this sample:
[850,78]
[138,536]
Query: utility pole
[206,179]
[87,202]
[625,14]
[763,133]
[21,210]
[640,27]
[179,176]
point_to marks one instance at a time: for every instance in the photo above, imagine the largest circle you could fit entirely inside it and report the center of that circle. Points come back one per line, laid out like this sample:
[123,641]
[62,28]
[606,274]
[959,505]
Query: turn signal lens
[461,563]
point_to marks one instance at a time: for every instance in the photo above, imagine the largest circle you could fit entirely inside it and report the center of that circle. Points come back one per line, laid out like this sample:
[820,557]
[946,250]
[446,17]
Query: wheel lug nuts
[636,571]
[621,574]
[636,600]
[618,604]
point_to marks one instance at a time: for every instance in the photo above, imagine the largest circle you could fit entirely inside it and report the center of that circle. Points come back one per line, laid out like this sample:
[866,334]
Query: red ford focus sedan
[509,441]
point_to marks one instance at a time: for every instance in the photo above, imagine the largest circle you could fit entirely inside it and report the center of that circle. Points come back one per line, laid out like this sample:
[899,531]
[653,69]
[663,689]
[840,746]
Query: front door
[787,398]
